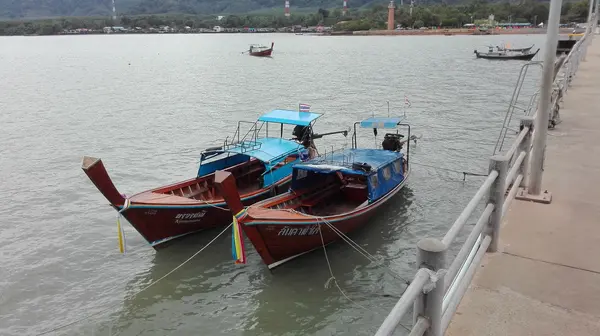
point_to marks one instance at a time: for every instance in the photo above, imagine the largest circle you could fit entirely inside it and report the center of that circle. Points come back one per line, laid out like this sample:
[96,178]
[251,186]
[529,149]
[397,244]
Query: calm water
[148,104]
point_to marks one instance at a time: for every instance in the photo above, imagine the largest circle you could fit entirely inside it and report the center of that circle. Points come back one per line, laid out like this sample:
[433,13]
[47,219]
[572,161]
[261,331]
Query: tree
[323,12]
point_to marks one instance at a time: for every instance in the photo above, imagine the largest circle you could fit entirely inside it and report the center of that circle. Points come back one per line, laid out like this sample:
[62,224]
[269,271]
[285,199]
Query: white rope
[362,251]
[332,278]
[143,289]
[352,243]
[212,205]
[433,279]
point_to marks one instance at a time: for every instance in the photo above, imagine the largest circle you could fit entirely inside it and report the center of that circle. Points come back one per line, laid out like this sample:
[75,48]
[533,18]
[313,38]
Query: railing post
[541,122]
[526,147]
[431,254]
[498,163]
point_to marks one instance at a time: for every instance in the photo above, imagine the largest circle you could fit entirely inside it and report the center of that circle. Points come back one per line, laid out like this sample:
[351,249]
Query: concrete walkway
[546,279]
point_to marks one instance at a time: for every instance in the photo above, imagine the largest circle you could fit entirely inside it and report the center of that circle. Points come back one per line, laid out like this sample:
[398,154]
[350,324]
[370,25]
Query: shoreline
[429,32]
[452,32]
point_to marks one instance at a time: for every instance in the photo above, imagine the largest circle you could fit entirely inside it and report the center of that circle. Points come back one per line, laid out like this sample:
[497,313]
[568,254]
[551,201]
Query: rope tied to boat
[464,173]
[332,278]
[120,231]
[433,279]
[350,242]
[140,291]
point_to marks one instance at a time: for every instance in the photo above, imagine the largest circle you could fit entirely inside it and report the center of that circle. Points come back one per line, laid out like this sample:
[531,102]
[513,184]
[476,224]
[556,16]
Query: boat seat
[250,172]
[355,192]
[355,186]
[313,201]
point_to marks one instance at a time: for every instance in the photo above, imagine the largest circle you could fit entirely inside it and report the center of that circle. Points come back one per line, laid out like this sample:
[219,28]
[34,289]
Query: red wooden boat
[338,193]
[260,51]
[262,166]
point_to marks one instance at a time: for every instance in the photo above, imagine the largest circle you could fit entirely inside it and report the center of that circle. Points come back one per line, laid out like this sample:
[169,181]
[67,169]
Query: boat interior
[202,188]
[248,176]
[339,193]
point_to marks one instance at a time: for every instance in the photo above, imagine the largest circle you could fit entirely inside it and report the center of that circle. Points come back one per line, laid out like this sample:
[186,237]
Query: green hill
[55,8]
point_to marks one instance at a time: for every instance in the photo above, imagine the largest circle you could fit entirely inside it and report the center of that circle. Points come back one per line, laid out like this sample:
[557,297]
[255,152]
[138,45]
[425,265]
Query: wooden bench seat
[313,201]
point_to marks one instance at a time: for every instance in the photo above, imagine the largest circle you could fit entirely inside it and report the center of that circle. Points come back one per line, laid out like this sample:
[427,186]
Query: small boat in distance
[329,196]
[504,55]
[260,50]
[260,160]
[523,50]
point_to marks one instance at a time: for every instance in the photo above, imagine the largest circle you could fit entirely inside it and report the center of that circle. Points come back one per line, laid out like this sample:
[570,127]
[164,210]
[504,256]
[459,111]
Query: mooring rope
[464,173]
[348,240]
[143,289]
[334,279]
[361,250]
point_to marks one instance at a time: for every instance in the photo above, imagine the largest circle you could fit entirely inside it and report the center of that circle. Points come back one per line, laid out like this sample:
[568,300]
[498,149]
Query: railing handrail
[507,171]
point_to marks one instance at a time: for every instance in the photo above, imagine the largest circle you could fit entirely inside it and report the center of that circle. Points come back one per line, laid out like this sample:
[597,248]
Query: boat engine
[302,132]
[392,142]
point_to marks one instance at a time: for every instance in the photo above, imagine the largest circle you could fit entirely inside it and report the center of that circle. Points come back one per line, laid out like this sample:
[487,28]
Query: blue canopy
[342,161]
[290,117]
[265,149]
[270,151]
[386,170]
[381,122]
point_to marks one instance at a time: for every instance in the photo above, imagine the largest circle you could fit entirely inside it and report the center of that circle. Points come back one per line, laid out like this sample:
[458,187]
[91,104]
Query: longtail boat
[503,55]
[260,51]
[329,196]
[261,163]
[523,50]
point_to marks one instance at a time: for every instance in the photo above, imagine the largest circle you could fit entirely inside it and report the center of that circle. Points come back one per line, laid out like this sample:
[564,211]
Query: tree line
[375,17]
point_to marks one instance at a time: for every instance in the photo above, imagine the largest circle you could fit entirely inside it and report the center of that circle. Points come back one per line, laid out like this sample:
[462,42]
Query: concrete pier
[545,277]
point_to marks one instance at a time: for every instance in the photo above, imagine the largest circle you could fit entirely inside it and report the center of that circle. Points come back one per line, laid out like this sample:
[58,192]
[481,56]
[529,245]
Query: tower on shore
[287,8]
[391,8]
[114,12]
[345,9]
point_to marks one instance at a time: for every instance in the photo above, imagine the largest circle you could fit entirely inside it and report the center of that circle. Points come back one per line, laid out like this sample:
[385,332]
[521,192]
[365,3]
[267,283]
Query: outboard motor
[392,142]
[302,132]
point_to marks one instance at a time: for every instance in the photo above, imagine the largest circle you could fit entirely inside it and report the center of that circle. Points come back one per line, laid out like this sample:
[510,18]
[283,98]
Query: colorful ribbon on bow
[237,240]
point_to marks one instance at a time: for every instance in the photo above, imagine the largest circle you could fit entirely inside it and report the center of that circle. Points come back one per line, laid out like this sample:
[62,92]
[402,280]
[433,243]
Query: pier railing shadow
[439,286]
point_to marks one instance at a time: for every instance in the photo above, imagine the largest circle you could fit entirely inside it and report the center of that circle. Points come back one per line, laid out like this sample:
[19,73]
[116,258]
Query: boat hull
[160,224]
[522,57]
[262,53]
[282,240]
[160,217]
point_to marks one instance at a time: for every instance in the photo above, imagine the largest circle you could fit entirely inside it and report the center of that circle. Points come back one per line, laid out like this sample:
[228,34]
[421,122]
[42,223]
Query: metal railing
[437,289]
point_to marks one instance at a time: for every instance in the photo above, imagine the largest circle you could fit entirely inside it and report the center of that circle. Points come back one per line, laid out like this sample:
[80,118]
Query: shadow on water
[249,299]
[299,298]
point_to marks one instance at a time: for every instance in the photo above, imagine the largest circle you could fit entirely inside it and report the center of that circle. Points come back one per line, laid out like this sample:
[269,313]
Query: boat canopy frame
[251,140]
[384,123]
[277,116]
[269,151]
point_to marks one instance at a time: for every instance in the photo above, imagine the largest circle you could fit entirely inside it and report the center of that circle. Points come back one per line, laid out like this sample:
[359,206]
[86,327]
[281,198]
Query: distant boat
[260,51]
[503,55]
[523,50]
